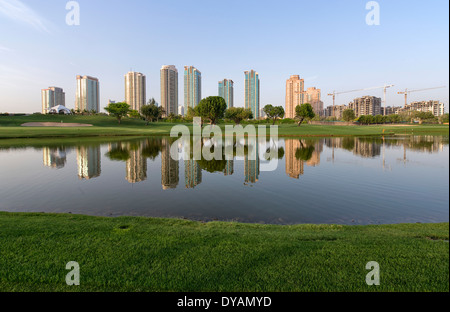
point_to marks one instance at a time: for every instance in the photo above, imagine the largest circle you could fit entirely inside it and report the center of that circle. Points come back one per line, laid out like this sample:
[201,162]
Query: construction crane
[336,93]
[384,94]
[406,92]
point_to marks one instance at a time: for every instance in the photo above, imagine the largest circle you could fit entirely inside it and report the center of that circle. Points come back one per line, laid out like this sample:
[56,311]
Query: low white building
[59,109]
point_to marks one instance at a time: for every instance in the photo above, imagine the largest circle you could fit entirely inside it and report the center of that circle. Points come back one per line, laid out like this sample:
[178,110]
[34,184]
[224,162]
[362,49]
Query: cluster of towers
[88,92]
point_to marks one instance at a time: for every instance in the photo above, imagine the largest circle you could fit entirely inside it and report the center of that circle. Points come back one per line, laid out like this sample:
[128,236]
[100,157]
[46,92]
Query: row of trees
[394,118]
[213,109]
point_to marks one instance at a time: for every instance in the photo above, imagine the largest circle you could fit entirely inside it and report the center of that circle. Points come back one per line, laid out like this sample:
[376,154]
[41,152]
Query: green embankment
[10,127]
[144,254]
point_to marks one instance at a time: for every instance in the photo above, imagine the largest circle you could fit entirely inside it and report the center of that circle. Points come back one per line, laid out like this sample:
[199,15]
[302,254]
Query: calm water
[328,180]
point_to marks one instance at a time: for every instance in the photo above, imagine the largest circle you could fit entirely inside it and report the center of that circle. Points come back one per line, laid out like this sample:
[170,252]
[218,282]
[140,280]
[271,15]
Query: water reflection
[318,180]
[170,168]
[54,157]
[296,152]
[89,161]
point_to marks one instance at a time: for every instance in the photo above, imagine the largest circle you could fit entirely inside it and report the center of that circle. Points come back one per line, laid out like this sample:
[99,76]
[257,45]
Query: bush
[287,121]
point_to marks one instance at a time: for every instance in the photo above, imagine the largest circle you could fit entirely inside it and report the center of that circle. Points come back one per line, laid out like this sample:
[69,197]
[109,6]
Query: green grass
[144,254]
[108,126]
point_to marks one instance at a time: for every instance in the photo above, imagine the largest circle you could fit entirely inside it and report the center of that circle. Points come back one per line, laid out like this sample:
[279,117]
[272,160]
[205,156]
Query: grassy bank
[143,254]
[108,126]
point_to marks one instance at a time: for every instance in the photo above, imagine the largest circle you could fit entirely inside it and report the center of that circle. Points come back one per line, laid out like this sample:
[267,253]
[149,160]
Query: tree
[190,113]
[212,108]
[366,119]
[362,120]
[150,112]
[348,115]
[171,117]
[237,114]
[423,116]
[380,119]
[273,112]
[444,118]
[304,111]
[118,110]
[394,118]
[134,113]
[370,119]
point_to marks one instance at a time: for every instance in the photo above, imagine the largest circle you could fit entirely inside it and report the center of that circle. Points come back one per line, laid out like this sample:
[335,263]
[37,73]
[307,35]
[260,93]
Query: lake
[317,180]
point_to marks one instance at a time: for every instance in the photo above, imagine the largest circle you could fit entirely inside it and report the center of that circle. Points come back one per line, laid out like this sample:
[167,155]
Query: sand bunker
[54,124]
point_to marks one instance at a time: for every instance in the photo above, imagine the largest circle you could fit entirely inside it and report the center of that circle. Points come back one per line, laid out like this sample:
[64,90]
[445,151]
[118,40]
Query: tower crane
[384,88]
[406,92]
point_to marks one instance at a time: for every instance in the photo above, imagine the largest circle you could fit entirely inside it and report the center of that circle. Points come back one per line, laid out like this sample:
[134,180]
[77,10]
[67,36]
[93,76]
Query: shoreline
[241,223]
[104,126]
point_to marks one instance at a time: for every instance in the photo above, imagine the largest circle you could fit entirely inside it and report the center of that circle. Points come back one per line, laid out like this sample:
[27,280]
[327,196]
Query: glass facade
[169,89]
[192,87]
[226,91]
[88,97]
[252,89]
[53,96]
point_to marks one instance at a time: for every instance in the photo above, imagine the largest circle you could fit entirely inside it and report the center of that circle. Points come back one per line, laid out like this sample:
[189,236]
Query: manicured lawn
[108,126]
[143,254]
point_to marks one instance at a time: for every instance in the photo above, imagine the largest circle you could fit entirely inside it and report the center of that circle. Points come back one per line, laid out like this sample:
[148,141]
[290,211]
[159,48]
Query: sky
[328,43]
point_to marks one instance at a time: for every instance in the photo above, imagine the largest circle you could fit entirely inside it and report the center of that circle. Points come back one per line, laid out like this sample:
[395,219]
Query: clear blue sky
[326,42]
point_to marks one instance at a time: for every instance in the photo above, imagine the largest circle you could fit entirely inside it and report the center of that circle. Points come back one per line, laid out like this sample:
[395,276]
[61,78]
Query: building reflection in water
[251,165]
[297,153]
[88,159]
[136,167]
[366,149]
[229,168]
[315,158]
[169,168]
[54,157]
[192,173]
[294,166]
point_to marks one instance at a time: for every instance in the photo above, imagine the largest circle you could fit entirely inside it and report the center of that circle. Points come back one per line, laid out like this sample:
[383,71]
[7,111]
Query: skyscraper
[87,94]
[226,91]
[169,89]
[192,87]
[312,96]
[135,90]
[295,88]
[51,97]
[252,92]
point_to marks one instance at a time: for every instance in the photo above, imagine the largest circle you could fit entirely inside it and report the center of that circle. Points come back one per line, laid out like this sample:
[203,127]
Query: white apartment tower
[87,94]
[51,97]
[169,89]
[135,90]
